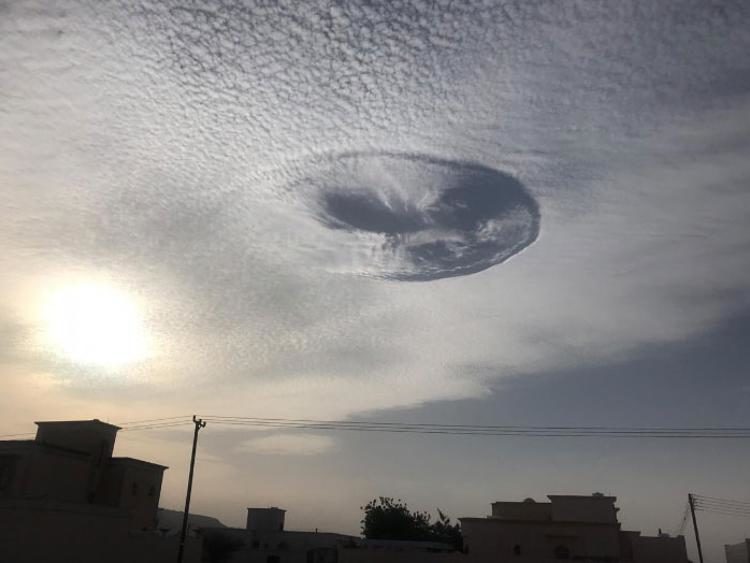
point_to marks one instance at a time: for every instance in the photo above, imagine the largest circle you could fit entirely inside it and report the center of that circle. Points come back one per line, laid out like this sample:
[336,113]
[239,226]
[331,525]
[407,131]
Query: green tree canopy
[389,519]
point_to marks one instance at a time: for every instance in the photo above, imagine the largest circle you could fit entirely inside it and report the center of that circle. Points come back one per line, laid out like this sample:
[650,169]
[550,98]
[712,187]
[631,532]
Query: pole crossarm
[199,423]
[691,501]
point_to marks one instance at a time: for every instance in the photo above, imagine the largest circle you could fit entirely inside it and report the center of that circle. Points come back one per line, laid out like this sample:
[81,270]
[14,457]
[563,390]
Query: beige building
[64,497]
[568,527]
[738,553]
[71,461]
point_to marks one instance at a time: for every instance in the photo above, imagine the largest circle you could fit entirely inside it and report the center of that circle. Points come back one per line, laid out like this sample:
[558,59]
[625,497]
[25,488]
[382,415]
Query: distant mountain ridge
[170,521]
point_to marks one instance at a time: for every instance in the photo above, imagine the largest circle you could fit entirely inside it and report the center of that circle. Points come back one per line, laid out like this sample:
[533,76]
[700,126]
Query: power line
[481,430]
[156,426]
[718,500]
[472,426]
[184,416]
[267,426]
[722,509]
[146,424]
[683,522]
[725,507]
[723,513]
[261,423]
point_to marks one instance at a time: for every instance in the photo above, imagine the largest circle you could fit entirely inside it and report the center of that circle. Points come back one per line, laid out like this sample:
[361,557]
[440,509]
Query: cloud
[426,218]
[289,444]
[163,148]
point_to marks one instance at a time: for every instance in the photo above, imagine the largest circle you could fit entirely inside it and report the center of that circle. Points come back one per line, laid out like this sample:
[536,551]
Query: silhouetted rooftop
[134,461]
[597,496]
[93,421]
[35,444]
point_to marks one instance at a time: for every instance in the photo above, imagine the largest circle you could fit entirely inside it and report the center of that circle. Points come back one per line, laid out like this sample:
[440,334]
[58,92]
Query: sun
[95,324]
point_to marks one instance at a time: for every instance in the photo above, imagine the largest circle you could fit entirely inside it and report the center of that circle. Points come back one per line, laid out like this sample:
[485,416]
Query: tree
[389,519]
[445,532]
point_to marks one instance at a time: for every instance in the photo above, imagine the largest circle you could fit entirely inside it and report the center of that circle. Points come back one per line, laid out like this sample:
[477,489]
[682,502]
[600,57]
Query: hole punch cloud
[427,218]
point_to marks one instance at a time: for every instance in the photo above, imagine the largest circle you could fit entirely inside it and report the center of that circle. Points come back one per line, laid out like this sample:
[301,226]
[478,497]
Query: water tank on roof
[265,519]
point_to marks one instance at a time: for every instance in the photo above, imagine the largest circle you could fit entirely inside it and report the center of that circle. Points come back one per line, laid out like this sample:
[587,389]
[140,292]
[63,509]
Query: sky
[514,212]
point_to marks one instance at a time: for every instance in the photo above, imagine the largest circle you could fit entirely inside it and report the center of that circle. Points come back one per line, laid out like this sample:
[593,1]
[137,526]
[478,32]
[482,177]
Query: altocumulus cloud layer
[336,206]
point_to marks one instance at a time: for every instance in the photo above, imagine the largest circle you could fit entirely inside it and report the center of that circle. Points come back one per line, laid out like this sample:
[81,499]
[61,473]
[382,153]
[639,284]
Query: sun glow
[95,324]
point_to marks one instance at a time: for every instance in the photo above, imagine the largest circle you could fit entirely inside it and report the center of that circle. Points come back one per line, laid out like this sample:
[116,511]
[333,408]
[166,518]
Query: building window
[151,491]
[255,544]
[273,559]
[134,489]
[516,549]
[562,552]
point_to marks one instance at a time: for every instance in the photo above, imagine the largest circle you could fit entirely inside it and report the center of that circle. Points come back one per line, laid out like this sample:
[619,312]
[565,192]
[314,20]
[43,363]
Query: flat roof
[277,533]
[551,497]
[579,497]
[495,521]
[134,461]
[527,502]
[76,422]
[406,543]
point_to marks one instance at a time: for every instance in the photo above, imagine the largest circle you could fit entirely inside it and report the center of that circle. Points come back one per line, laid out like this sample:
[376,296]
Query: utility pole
[199,423]
[695,527]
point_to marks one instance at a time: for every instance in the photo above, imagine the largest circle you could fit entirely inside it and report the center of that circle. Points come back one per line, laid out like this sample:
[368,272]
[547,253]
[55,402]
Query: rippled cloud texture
[201,156]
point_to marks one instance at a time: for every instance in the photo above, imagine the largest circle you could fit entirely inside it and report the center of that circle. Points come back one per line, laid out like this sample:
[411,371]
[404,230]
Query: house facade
[568,527]
[72,462]
[65,497]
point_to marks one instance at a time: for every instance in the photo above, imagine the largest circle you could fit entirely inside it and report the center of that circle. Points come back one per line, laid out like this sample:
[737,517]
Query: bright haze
[446,211]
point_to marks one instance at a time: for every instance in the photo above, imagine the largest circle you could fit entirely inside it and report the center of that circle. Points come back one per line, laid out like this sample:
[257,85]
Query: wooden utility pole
[695,527]
[199,423]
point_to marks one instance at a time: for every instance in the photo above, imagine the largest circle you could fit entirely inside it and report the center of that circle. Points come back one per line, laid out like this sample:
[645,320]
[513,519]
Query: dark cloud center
[451,218]
[368,212]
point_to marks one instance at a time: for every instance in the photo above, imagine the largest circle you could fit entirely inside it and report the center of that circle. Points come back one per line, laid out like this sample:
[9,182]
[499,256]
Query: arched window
[562,552]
